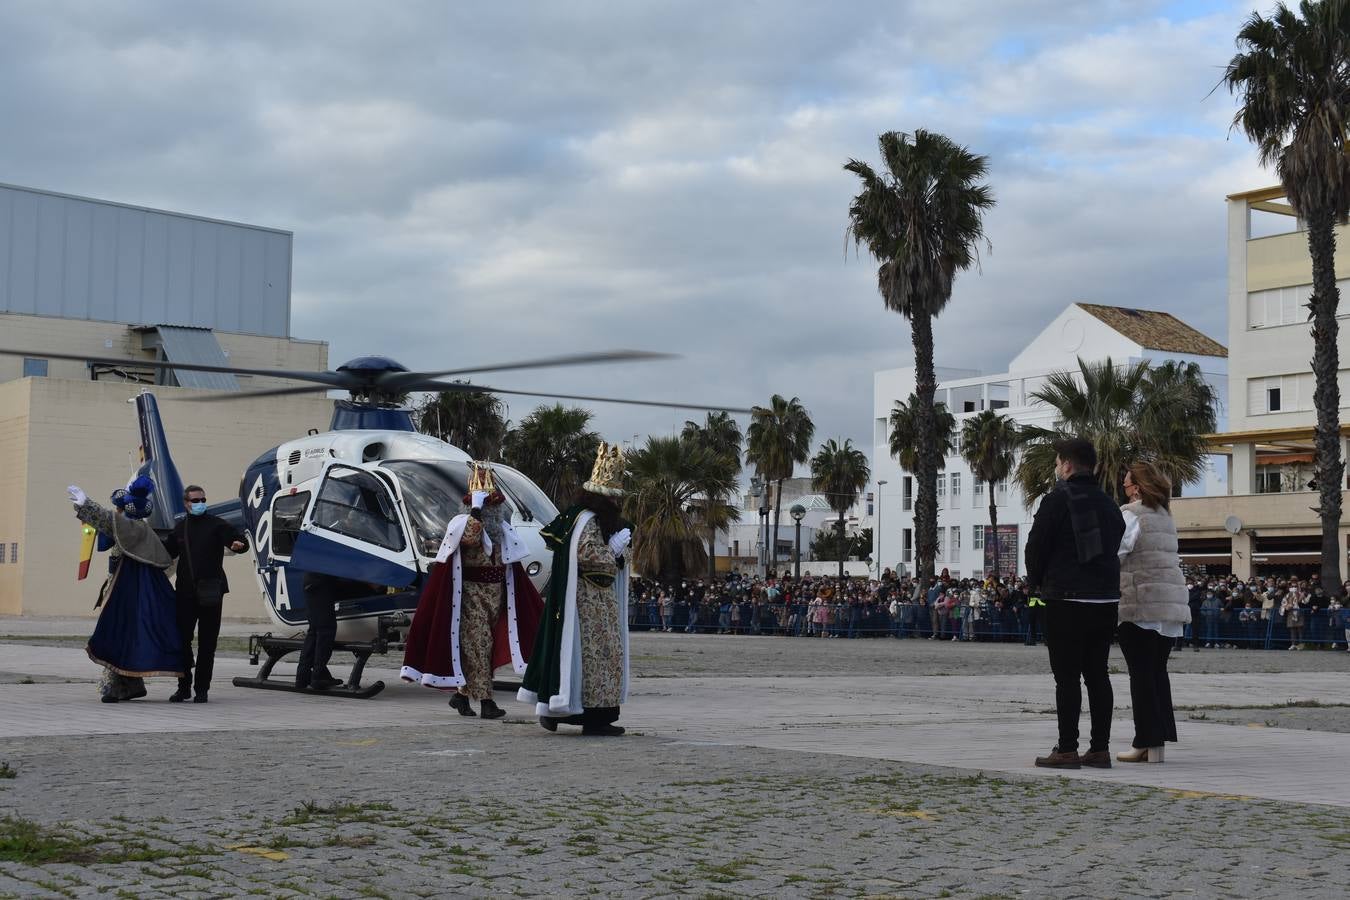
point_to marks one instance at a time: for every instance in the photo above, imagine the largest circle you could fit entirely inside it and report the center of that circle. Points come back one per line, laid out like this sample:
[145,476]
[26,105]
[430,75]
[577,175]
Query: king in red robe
[478,609]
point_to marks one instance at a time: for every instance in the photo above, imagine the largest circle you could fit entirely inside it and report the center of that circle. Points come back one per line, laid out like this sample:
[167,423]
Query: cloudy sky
[477,182]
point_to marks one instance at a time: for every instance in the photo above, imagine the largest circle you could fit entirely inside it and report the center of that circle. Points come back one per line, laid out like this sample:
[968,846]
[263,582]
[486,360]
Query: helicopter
[366,501]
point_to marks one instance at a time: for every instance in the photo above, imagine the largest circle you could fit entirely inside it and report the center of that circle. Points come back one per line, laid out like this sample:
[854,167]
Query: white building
[1083,330]
[1265,524]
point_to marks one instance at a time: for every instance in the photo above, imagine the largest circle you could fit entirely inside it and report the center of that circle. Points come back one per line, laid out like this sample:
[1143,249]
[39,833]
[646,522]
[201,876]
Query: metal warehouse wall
[89,259]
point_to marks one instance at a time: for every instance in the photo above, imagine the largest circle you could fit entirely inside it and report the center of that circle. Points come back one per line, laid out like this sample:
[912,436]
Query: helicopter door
[353,530]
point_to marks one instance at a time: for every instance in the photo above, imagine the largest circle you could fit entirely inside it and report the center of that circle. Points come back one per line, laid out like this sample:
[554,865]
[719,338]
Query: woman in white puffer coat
[1153,608]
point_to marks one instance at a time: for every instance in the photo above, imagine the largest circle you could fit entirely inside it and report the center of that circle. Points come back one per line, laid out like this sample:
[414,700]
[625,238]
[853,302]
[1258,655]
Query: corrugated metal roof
[196,345]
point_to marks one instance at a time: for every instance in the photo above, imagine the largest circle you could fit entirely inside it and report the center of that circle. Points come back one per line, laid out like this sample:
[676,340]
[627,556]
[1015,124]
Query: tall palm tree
[665,479]
[1129,413]
[474,422]
[555,447]
[720,437]
[923,220]
[989,445]
[840,473]
[1292,73]
[905,433]
[779,437]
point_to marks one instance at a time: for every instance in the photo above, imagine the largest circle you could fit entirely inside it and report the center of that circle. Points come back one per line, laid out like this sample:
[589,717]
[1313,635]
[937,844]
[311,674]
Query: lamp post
[757,491]
[877,535]
[798,512]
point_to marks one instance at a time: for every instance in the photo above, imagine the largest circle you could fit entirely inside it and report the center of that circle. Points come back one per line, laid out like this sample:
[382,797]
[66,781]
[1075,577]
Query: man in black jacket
[199,541]
[1071,556]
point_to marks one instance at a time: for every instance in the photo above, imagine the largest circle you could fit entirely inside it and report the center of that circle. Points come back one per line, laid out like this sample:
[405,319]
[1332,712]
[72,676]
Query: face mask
[196,508]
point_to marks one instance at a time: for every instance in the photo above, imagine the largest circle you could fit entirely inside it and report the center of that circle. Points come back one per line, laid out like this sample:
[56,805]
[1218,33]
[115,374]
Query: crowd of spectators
[1270,612]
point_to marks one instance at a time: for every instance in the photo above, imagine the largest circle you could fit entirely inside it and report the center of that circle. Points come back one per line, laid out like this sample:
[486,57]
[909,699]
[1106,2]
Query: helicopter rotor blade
[331,379]
[228,396]
[398,380]
[480,388]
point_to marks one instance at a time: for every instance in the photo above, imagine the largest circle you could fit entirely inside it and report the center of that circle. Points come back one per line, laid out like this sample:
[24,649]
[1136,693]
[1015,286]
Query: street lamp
[877,535]
[798,512]
[757,491]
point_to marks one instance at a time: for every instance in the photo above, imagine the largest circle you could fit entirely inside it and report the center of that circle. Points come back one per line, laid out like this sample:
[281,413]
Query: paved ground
[756,767]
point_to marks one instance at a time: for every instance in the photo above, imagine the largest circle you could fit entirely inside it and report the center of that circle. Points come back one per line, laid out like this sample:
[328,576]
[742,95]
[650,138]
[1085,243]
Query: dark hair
[1078,451]
[605,508]
[192,487]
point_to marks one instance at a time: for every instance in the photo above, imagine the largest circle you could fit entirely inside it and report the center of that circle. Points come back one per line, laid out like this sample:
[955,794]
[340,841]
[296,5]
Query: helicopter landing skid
[275,648]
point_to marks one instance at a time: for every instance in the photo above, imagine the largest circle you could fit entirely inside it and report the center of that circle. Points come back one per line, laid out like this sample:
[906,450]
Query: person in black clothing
[1071,555]
[1195,601]
[199,542]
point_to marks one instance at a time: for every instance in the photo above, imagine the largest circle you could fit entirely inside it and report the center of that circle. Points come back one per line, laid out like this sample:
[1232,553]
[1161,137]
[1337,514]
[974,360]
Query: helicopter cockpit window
[356,504]
[526,495]
[288,511]
[433,494]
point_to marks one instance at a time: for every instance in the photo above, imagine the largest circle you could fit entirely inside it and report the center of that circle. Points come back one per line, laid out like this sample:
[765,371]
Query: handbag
[210,591]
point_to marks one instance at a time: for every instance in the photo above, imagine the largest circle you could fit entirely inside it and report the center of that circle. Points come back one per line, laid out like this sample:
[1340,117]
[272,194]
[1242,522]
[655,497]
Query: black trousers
[321,597]
[1146,654]
[1078,636]
[205,620]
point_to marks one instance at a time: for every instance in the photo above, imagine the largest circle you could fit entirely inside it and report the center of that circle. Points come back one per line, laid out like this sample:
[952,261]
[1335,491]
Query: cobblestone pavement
[757,767]
[485,809]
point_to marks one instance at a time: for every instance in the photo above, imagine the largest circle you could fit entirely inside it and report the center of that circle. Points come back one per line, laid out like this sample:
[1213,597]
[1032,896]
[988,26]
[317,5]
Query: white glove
[618,542]
[478,499]
[76,495]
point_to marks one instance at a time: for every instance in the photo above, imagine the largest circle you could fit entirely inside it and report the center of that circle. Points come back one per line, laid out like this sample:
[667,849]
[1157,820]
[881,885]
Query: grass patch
[724,873]
[25,841]
[310,811]
[8,771]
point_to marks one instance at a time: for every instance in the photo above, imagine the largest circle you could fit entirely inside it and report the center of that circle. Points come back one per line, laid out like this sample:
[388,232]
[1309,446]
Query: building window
[956,487]
[978,539]
[1272,399]
[13,552]
[907,493]
[956,442]
[942,486]
[956,543]
[941,544]
[907,545]
[34,368]
[1267,479]
[978,489]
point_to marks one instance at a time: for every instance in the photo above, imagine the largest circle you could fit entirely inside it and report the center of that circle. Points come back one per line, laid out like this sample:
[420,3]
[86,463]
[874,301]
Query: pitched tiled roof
[1155,330]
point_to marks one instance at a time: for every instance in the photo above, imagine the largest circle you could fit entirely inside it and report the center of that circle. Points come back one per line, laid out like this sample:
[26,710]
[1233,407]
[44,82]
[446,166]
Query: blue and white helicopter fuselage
[369,508]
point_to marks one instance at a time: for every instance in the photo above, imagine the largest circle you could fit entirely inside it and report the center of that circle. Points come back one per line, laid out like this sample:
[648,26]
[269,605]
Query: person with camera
[199,541]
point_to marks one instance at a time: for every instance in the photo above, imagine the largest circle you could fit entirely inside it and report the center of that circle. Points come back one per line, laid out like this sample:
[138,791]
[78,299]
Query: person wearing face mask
[199,541]
[1071,556]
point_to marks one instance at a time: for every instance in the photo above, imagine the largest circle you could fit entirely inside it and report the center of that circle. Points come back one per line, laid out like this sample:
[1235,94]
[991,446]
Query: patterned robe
[482,599]
[602,652]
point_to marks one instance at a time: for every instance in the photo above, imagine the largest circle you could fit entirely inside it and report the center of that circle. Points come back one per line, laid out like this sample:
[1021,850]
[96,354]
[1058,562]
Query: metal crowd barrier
[1240,628]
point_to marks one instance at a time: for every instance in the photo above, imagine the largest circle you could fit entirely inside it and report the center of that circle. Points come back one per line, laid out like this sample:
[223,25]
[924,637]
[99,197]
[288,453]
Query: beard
[493,517]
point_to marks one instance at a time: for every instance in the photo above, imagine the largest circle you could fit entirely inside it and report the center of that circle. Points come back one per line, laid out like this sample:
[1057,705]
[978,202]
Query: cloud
[470,183]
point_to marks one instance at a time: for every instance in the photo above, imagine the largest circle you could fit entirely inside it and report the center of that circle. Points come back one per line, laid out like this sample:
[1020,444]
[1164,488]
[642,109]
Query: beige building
[1266,522]
[88,278]
[66,428]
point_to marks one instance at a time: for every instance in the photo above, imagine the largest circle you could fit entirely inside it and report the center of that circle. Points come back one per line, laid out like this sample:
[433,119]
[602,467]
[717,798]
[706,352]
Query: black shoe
[460,704]
[491,710]
[323,684]
[200,698]
[183,693]
[548,724]
[139,694]
[109,698]
[602,730]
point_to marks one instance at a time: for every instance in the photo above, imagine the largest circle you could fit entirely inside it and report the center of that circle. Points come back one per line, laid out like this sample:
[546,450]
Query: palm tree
[922,219]
[555,448]
[840,473]
[1293,76]
[988,445]
[665,479]
[474,421]
[905,433]
[1129,413]
[779,437]
[720,437]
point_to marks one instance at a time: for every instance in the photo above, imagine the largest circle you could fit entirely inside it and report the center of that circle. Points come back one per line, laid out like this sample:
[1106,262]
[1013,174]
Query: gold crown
[480,478]
[607,475]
